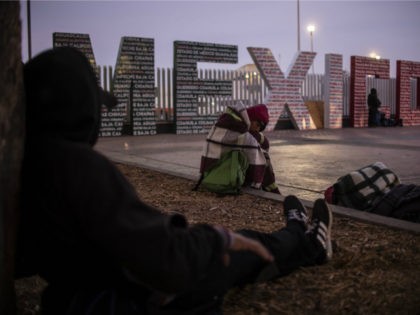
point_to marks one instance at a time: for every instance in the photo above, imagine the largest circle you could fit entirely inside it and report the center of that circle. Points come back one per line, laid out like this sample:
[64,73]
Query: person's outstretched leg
[315,247]
[294,246]
[244,266]
[283,244]
[320,231]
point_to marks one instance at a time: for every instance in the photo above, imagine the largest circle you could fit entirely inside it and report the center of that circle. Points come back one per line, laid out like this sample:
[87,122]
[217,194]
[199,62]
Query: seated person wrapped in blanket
[240,128]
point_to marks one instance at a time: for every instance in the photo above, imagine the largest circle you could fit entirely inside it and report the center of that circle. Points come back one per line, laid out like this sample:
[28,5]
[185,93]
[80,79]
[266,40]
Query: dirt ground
[374,270]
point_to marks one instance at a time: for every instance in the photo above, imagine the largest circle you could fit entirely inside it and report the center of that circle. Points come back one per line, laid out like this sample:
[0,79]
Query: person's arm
[159,250]
[261,139]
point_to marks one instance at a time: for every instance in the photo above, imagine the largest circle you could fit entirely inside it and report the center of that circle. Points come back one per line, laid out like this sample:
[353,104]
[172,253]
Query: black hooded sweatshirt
[82,223]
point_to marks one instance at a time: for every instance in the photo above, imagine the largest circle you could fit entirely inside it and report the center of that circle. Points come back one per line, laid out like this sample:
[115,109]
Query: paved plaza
[305,162]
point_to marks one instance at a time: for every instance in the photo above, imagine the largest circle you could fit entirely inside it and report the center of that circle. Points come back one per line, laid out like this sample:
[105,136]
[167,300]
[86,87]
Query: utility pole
[298,26]
[28,15]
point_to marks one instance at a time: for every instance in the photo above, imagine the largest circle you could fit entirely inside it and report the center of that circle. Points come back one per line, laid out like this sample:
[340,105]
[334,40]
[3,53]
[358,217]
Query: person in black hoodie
[100,248]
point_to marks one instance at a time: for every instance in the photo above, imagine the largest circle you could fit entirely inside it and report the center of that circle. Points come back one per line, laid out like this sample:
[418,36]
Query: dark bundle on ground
[375,270]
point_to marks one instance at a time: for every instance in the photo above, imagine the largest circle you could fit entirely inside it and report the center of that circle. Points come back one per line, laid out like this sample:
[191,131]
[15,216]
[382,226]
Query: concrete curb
[342,211]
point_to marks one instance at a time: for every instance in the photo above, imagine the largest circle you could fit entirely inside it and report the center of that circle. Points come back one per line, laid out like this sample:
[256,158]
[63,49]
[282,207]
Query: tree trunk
[11,145]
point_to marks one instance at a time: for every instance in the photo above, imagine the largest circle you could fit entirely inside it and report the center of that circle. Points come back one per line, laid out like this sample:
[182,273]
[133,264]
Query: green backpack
[227,175]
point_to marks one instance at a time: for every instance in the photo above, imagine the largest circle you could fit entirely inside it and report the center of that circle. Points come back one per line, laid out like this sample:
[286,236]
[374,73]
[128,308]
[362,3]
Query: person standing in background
[373,104]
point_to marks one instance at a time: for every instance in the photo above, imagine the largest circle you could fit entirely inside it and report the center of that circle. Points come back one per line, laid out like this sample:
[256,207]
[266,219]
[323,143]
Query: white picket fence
[249,88]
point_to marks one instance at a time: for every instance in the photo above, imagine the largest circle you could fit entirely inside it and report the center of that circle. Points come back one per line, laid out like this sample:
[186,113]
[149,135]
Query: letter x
[285,93]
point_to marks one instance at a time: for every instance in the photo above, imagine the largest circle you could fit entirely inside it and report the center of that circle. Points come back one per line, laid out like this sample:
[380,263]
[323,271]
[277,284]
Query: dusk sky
[389,28]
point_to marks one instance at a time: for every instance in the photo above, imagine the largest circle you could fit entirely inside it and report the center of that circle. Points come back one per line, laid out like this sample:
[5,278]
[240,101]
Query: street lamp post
[298,26]
[28,15]
[311,30]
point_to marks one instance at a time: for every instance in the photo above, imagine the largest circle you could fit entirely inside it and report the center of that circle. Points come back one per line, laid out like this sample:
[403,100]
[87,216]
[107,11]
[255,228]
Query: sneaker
[295,211]
[321,224]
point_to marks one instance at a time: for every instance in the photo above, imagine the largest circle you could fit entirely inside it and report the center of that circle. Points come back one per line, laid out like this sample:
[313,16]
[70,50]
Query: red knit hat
[258,113]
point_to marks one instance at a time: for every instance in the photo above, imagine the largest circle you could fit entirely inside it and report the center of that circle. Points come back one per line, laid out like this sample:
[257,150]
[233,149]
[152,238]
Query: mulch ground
[374,270]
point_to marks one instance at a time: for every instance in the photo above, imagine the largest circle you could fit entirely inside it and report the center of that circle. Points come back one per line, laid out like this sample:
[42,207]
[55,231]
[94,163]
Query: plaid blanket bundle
[363,188]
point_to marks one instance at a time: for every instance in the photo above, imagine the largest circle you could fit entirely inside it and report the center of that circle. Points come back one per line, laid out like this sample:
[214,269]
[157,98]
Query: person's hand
[239,242]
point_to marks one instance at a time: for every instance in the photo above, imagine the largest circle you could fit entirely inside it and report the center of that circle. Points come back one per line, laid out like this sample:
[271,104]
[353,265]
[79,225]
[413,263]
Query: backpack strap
[198,182]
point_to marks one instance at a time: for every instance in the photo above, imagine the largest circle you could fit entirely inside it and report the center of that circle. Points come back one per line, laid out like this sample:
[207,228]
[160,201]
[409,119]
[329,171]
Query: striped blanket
[231,132]
[363,188]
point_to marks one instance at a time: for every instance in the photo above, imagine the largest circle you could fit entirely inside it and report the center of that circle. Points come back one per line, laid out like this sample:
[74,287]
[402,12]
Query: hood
[63,98]
[259,113]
